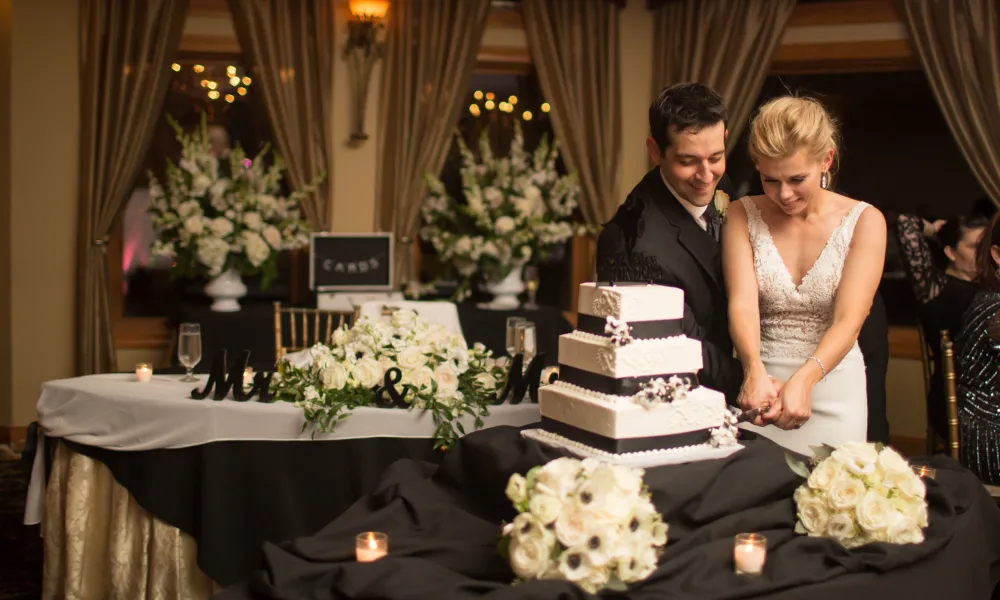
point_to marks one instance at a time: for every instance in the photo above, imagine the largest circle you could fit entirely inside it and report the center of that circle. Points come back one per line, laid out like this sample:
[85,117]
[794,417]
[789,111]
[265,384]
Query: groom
[670,223]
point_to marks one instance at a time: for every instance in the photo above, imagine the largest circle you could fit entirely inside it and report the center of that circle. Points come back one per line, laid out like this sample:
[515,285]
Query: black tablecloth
[252,328]
[443,531]
[231,497]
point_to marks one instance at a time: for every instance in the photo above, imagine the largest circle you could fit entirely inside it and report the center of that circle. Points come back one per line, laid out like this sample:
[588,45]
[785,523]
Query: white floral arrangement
[619,330]
[860,493]
[657,391]
[439,374]
[214,214]
[587,521]
[516,210]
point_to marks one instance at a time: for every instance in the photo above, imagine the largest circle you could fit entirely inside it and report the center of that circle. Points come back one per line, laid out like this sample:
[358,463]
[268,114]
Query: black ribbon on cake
[625,386]
[640,330]
[616,446]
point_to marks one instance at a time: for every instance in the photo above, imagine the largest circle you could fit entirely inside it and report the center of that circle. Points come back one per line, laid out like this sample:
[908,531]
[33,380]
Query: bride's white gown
[792,322]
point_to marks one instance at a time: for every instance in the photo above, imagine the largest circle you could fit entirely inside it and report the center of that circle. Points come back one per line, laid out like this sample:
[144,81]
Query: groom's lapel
[698,243]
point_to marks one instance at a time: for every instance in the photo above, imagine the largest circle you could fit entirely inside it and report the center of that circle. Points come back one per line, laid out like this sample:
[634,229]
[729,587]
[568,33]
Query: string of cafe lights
[232,85]
[508,106]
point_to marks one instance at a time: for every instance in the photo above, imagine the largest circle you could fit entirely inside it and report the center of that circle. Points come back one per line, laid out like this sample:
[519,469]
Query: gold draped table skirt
[101,545]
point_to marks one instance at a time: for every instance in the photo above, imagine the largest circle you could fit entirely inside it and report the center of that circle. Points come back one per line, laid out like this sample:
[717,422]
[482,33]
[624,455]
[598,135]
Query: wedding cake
[627,389]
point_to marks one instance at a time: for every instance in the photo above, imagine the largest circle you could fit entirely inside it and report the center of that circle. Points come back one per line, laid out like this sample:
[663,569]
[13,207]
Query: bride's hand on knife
[758,390]
[795,404]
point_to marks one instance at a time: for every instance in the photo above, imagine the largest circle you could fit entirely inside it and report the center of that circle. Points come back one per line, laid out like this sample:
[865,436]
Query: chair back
[306,327]
[436,311]
[950,391]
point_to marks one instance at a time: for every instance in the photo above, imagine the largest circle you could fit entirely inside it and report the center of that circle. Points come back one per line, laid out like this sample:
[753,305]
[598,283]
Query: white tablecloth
[119,413]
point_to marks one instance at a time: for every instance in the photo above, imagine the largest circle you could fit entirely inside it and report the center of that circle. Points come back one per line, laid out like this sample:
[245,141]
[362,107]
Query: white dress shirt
[698,212]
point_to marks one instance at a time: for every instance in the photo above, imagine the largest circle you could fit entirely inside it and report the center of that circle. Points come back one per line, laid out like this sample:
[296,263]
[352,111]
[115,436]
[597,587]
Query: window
[221,91]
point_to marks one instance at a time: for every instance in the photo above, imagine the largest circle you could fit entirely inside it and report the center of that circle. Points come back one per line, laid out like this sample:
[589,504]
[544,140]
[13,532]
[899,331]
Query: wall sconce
[363,50]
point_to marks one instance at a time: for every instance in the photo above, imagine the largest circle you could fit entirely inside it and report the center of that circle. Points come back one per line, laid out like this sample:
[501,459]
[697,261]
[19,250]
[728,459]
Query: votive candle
[248,377]
[750,553]
[371,546]
[925,471]
[143,372]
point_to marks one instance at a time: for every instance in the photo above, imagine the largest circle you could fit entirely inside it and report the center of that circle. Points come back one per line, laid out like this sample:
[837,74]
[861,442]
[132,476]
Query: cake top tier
[631,302]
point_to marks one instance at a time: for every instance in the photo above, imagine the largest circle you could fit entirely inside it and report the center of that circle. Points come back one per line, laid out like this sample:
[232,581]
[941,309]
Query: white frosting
[640,358]
[644,459]
[631,302]
[617,417]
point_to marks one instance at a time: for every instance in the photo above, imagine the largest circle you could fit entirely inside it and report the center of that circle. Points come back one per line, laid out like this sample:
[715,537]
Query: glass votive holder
[371,546]
[750,553]
[925,471]
[143,372]
[248,377]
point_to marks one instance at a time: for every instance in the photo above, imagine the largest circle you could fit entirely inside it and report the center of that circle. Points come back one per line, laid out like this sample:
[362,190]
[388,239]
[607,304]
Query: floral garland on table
[583,521]
[439,374]
[214,214]
[860,493]
[516,210]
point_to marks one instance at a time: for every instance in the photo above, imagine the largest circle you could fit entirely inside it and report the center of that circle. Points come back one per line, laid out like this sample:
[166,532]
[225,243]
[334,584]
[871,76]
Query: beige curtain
[126,49]
[958,42]
[100,544]
[289,45]
[574,47]
[726,44]
[431,50]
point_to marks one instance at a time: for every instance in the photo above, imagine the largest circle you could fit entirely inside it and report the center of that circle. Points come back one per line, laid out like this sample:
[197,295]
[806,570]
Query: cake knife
[750,415]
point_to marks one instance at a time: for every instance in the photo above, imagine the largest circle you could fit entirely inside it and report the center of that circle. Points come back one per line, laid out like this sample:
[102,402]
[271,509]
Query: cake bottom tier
[624,445]
[645,459]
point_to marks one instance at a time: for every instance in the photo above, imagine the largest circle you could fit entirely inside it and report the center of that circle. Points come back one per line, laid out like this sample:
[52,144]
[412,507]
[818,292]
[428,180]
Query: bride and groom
[785,278]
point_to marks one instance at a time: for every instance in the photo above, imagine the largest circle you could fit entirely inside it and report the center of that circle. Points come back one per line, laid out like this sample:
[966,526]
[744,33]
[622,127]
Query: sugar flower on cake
[586,521]
[213,214]
[859,493]
[657,391]
[619,330]
[437,373]
[513,210]
[728,433]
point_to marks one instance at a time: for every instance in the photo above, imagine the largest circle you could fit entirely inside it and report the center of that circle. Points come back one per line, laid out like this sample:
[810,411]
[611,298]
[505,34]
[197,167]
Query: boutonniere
[721,203]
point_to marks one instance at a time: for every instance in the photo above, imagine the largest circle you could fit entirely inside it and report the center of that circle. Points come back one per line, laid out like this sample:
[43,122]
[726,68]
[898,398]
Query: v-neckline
[784,266]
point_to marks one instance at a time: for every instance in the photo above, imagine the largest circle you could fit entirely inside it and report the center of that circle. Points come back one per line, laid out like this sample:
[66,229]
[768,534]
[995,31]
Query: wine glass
[189,348]
[512,334]
[531,281]
[526,341]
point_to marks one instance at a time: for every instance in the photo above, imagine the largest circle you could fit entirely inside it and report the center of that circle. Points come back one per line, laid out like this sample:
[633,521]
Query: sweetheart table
[443,524]
[175,495]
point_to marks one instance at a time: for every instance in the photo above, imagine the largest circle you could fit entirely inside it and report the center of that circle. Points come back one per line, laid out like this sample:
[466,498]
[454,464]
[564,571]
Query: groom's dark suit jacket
[652,227]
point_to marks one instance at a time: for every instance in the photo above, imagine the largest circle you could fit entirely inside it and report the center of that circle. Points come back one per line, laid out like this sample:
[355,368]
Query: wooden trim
[209,44]
[904,342]
[506,17]
[909,445]
[845,57]
[143,332]
[214,8]
[15,436]
[844,13]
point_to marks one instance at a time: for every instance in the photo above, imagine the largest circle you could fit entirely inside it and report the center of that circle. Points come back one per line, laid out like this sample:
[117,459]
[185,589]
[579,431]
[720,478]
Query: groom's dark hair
[684,107]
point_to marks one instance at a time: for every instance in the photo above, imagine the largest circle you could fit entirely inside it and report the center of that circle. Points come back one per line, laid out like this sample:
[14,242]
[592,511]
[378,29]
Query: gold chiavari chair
[306,327]
[927,362]
[951,397]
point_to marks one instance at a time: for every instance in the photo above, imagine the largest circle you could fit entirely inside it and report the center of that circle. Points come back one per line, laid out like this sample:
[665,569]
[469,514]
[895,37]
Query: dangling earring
[823,180]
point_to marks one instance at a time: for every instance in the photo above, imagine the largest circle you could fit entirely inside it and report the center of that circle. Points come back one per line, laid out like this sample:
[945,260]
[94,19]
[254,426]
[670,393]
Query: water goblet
[189,348]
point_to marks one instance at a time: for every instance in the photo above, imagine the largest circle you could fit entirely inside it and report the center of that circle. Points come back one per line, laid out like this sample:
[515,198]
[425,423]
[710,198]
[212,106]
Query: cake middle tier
[640,358]
[621,418]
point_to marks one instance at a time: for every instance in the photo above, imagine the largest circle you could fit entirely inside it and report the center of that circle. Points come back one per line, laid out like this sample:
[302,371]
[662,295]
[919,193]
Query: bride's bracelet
[820,363]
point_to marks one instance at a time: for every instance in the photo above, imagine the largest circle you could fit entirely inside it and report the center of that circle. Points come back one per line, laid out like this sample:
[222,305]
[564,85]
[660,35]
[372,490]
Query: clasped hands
[784,404]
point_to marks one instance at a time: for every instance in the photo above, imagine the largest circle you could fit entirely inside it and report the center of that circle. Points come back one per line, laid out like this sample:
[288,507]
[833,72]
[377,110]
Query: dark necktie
[713,222]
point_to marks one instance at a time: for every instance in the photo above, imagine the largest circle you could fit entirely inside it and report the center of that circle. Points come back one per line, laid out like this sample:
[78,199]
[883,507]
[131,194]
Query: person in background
[977,359]
[943,294]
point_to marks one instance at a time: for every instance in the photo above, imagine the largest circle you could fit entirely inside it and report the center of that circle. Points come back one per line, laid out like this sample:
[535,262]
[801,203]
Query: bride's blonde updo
[784,125]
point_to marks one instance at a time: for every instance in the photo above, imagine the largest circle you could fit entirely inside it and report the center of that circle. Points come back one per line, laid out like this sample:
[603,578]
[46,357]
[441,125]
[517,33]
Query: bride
[802,265]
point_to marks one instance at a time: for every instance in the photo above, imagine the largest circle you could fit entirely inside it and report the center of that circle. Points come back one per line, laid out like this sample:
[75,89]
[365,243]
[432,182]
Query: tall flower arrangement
[439,374]
[515,210]
[214,214]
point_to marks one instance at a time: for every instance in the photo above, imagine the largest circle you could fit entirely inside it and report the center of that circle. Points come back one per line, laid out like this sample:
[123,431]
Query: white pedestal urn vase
[506,291]
[226,291]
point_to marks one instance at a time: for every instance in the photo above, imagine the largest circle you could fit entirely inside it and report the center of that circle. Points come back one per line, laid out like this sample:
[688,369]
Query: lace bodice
[794,319]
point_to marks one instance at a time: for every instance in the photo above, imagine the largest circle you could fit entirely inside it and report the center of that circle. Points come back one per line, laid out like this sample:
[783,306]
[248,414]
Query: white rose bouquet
[587,521]
[860,493]
[516,209]
[439,374]
[214,214]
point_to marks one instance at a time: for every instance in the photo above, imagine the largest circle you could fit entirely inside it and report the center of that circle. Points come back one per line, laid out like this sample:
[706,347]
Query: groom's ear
[725,135]
[654,151]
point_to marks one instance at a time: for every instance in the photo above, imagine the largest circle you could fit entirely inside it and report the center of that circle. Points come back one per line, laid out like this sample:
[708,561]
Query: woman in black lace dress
[942,294]
[977,354]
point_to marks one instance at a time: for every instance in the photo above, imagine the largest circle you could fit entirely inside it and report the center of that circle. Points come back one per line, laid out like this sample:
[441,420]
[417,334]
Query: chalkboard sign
[350,261]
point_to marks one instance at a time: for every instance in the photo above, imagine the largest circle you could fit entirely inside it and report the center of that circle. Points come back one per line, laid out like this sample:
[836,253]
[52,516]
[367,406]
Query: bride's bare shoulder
[870,214]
